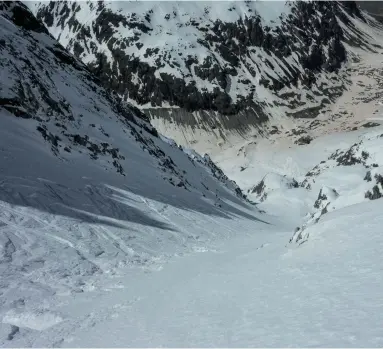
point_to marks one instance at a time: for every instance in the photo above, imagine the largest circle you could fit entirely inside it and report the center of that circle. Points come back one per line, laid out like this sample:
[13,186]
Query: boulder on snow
[377,189]
[270,183]
[326,195]
[304,140]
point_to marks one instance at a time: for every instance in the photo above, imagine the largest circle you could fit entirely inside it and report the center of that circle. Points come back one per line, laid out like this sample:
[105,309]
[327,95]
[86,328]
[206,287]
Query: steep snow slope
[246,292]
[112,235]
[209,71]
[87,186]
[254,292]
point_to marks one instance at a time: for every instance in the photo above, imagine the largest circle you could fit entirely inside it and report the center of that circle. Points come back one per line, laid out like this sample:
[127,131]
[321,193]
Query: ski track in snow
[254,292]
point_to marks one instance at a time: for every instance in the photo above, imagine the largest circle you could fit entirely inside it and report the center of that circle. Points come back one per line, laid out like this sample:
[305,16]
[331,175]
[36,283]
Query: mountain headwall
[208,65]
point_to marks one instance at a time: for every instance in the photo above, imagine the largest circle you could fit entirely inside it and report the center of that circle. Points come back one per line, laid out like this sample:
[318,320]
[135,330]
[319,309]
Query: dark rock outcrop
[245,50]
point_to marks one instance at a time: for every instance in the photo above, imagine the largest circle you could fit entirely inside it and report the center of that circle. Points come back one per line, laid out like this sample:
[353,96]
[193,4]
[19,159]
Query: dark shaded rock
[367,177]
[322,197]
[310,24]
[370,124]
[374,195]
[22,17]
[376,192]
[349,157]
[304,140]
[259,188]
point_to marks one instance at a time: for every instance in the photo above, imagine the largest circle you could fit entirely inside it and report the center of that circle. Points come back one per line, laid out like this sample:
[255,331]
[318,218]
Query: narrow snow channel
[253,291]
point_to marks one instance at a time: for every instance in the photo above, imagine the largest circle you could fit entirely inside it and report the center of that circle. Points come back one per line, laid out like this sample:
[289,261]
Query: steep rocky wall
[182,63]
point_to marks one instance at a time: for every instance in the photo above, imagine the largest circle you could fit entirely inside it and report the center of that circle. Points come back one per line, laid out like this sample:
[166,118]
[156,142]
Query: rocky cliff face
[72,114]
[225,65]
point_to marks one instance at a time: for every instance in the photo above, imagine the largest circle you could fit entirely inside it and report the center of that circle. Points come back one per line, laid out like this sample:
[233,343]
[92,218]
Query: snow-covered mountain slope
[248,291]
[329,173]
[208,71]
[350,175]
[112,235]
[87,186]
